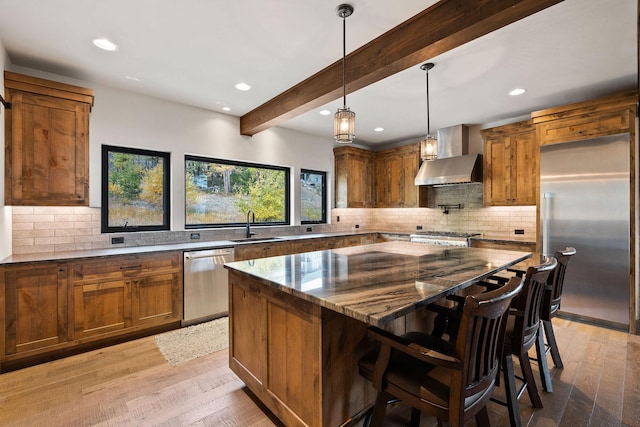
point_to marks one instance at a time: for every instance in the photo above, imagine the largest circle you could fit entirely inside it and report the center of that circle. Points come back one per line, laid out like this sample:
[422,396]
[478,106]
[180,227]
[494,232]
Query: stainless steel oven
[443,238]
[206,285]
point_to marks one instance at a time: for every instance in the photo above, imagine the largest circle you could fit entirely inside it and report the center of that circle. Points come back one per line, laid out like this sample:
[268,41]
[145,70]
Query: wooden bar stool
[550,306]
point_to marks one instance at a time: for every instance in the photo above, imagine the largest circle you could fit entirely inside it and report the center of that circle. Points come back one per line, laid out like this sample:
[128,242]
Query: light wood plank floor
[131,384]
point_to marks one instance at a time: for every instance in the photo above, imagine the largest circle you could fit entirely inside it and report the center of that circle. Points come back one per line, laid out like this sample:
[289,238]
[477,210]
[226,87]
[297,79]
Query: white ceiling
[195,51]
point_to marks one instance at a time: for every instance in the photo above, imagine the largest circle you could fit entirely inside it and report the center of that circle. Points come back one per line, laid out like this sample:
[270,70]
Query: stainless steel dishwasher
[206,285]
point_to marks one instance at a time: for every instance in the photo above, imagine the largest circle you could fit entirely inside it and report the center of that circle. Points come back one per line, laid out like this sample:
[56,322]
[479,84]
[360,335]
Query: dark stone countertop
[129,250]
[379,282]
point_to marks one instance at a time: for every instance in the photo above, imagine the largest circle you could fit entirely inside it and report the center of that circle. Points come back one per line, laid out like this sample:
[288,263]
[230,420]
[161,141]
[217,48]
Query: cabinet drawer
[115,268]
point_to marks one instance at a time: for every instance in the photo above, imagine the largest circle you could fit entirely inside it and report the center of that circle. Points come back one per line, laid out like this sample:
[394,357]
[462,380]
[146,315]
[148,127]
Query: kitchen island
[298,323]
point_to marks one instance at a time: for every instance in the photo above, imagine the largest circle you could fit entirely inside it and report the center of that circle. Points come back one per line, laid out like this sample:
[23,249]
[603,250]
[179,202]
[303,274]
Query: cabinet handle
[131,267]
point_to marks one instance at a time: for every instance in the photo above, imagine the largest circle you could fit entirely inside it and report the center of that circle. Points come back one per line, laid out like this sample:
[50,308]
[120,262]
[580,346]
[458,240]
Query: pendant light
[344,123]
[429,145]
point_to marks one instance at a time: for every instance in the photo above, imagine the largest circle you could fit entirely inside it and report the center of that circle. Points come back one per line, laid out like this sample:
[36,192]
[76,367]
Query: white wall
[127,119]
[5,211]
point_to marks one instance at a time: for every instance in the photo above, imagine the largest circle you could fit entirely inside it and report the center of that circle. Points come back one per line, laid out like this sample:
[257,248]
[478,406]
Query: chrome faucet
[253,219]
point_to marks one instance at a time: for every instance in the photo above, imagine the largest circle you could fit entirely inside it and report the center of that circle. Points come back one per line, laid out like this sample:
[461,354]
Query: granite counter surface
[379,282]
[191,246]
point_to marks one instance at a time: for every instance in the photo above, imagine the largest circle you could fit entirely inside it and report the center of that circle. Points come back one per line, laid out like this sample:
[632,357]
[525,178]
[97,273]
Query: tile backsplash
[61,229]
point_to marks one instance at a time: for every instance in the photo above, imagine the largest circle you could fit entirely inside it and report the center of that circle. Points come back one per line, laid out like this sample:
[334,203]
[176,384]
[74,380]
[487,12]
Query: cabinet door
[102,307]
[354,180]
[47,161]
[35,306]
[497,171]
[524,169]
[382,182]
[408,189]
[359,182]
[157,299]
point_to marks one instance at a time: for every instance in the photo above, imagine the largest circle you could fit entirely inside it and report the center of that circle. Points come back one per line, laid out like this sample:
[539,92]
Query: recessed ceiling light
[378,129]
[517,91]
[243,86]
[226,108]
[325,112]
[105,44]
[135,79]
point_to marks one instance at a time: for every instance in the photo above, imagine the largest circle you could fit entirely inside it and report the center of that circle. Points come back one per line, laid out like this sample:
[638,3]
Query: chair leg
[543,366]
[482,418]
[415,417]
[380,409]
[527,372]
[551,339]
[511,391]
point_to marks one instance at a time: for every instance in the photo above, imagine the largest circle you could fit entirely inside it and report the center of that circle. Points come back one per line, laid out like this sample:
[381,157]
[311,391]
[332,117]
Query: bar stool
[523,324]
[550,306]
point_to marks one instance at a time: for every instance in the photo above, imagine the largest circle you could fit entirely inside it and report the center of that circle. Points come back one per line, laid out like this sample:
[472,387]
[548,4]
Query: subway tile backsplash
[61,229]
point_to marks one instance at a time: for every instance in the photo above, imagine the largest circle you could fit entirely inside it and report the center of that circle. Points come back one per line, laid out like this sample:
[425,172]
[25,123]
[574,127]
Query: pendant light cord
[344,62]
[428,123]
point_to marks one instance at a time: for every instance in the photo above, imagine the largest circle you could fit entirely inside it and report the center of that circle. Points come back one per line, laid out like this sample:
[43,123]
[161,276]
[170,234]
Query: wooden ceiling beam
[438,29]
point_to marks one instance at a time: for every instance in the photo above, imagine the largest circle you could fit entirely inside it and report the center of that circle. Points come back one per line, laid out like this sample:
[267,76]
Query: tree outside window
[313,197]
[220,193]
[135,189]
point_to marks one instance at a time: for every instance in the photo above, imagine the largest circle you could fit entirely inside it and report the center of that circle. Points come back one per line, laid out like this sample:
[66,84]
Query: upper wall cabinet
[46,142]
[609,115]
[354,181]
[510,165]
[396,170]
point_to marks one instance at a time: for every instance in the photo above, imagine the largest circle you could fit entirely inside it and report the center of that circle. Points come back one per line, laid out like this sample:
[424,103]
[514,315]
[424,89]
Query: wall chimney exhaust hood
[454,165]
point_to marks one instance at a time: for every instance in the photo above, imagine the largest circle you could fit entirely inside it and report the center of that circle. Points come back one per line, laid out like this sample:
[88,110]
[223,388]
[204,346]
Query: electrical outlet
[418,227]
[117,240]
[357,225]
[309,229]
[195,236]
[338,218]
[519,231]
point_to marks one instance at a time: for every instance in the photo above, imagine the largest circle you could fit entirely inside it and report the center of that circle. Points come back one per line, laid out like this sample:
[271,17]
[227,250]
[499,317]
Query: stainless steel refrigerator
[584,191]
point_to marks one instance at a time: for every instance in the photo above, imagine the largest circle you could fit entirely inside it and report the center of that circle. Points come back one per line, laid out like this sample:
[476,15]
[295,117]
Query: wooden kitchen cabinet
[396,170]
[355,177]
[47,142]
[119,294]
[34,301]
[511,157]
[604,116]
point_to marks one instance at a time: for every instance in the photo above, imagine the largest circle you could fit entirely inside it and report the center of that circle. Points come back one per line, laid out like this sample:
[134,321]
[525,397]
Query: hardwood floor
[131,384]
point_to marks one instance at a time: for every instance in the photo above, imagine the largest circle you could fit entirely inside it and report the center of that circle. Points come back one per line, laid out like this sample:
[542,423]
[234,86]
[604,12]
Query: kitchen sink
[256,239]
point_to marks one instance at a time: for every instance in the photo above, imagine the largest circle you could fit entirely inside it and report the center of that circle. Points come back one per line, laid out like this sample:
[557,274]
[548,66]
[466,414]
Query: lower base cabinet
[124,293]
[298,358]
[34,301]
[53,307]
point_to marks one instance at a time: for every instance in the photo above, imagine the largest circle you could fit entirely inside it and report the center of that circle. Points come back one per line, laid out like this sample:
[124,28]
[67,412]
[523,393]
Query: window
[219,193]
[135,190]
[313,197]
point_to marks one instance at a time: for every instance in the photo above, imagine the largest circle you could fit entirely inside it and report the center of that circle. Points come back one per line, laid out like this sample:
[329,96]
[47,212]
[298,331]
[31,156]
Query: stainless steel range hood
[454,165]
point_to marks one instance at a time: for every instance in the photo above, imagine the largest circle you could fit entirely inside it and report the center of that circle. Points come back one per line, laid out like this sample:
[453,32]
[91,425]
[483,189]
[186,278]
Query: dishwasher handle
[206,255]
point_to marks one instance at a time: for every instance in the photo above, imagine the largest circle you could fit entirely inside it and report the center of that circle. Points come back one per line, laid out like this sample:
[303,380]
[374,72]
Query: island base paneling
[298,358]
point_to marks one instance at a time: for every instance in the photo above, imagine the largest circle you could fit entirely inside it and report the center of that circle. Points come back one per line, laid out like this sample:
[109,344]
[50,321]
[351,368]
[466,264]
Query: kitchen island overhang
[298,323]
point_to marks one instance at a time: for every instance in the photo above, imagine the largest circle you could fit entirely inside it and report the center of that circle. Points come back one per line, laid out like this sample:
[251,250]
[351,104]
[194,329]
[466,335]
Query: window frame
[166,186]
[323,220]
[287,191]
